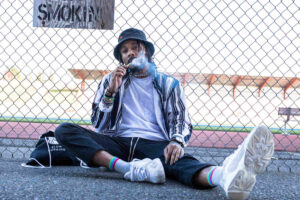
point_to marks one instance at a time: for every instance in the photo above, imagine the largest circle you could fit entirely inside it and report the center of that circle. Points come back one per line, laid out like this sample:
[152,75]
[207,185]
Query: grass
[195,127]
[242,129]
[47,121]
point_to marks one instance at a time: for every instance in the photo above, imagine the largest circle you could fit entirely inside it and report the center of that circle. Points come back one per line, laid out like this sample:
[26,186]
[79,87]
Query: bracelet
[173,140]
[109,98]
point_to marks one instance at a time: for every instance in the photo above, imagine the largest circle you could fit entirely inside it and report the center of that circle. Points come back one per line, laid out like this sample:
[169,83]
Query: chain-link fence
[239,62]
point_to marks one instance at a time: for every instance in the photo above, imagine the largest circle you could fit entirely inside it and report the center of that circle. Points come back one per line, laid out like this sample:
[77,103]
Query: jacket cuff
[105,106]
[179,139]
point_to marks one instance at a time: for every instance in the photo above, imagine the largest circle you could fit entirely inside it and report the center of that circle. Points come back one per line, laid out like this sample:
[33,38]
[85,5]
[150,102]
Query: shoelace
[139,173]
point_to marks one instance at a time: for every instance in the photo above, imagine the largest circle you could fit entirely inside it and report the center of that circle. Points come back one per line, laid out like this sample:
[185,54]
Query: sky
[246,37]
[251,37]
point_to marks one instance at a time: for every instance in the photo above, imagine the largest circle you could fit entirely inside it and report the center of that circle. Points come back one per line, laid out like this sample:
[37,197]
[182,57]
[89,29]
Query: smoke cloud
[140,62]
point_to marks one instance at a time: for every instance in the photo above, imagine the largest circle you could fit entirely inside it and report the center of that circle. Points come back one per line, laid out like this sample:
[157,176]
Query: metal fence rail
[239,62]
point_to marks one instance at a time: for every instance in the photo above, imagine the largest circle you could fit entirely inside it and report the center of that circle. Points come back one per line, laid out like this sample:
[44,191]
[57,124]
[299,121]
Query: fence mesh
[238,63]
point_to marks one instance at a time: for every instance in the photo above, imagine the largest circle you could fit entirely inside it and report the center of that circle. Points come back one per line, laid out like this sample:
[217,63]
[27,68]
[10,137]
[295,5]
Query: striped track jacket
[169,101]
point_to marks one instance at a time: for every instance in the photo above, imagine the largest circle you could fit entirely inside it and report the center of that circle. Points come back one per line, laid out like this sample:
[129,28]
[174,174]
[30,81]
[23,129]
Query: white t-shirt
[138,114]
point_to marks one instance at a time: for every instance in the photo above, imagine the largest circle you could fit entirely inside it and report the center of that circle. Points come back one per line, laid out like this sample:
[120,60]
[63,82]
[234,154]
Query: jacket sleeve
[100,109]
[179,123]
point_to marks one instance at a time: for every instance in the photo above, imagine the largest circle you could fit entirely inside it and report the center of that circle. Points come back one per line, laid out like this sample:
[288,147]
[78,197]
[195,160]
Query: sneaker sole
[258,154]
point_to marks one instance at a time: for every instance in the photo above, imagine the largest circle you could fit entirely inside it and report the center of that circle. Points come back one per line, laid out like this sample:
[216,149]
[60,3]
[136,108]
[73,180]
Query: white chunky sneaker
[251,157]
[146,170]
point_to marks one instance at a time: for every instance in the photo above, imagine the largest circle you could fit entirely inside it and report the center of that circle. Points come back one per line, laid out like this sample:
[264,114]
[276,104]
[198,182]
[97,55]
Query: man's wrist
[110,94]
[178,142]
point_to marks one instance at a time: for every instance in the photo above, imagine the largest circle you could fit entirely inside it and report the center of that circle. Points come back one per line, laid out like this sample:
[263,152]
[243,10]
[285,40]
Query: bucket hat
[135,34]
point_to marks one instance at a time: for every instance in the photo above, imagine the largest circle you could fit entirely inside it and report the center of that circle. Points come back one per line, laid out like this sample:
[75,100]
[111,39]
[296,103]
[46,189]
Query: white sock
[119,165]
[215,175]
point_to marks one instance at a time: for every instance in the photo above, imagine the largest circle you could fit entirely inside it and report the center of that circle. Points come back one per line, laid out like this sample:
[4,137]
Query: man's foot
[146,170]
[251,157]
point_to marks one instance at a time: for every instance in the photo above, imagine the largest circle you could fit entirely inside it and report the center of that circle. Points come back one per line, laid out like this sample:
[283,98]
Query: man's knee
[62,131]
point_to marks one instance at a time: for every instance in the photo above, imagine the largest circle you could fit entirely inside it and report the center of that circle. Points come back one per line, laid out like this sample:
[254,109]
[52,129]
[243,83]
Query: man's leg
[111,152]
[105,159]
[237,176]
[183,170]
[204,177]
[93,148]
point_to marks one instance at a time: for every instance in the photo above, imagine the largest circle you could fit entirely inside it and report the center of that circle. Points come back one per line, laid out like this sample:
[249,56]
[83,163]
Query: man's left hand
[173,152]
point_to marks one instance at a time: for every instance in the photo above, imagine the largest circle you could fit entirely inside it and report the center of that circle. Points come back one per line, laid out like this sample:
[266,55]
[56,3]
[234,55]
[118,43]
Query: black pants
[84,143]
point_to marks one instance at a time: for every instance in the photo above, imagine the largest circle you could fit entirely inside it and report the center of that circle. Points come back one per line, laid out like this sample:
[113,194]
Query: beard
[136,70]
[137,64]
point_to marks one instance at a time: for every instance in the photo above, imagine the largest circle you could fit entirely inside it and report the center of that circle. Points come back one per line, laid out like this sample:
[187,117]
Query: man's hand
[173,152]
[116,78]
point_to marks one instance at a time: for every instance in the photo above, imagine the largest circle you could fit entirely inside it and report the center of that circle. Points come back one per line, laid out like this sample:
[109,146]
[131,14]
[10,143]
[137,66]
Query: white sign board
[86,14]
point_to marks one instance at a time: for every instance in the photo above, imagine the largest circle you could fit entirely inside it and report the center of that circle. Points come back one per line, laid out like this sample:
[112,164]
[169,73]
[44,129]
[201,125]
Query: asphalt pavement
[17,182]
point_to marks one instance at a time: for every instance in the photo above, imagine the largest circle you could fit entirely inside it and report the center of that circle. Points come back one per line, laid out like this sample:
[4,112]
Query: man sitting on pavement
[142,126]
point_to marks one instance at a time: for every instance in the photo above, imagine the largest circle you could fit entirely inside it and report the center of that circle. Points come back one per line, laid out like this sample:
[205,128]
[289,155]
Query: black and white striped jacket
[169,105]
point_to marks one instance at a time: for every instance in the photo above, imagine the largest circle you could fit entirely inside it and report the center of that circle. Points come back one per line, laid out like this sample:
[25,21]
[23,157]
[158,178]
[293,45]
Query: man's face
[130,50]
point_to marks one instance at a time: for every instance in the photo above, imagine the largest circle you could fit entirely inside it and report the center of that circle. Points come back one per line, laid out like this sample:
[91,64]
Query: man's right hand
[116,78]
